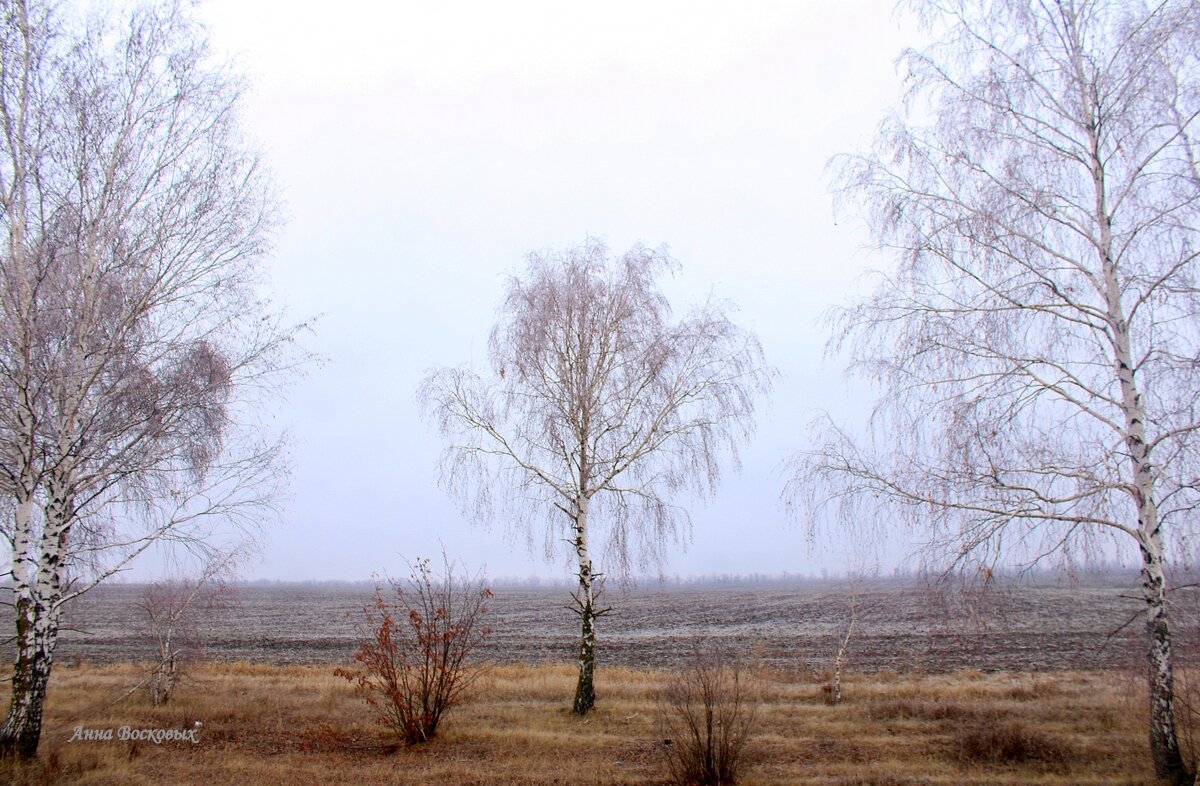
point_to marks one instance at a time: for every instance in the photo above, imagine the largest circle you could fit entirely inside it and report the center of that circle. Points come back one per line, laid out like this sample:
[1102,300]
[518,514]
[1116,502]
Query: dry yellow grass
[302,725]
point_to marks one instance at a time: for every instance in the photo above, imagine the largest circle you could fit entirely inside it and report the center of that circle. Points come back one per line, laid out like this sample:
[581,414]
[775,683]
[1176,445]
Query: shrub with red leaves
[416,661]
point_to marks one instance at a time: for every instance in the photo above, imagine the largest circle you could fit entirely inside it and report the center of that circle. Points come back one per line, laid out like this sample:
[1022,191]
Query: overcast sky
[424,148]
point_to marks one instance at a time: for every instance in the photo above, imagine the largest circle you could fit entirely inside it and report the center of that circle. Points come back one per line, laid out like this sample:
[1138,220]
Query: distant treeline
[1101,574]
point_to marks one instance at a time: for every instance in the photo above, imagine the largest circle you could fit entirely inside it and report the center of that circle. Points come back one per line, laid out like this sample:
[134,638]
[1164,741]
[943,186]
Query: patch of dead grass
[290,725]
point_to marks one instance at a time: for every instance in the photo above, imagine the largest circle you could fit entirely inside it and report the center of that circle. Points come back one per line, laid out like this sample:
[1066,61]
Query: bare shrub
[707,712]
[416,662]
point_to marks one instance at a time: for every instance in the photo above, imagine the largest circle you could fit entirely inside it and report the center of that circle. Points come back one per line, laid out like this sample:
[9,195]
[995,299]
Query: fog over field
[901,625]
[431,146]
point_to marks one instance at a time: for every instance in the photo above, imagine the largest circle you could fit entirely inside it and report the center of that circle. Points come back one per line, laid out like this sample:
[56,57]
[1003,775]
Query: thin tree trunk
[841,657]
[163,683]
[585,689]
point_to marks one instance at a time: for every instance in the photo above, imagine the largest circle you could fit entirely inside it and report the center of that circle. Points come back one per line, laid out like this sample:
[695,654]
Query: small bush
[707,713]
[1007,743]
[415,664]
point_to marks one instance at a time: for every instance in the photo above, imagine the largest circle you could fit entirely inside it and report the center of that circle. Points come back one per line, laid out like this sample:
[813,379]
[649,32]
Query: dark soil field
[1025,627]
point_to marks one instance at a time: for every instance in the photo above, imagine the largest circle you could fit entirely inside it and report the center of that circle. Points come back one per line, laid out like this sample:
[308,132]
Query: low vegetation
[707,713]
[417,659]
[286,725]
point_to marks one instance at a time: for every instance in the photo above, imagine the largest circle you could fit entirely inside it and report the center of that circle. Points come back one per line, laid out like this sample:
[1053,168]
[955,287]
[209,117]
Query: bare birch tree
[172,609]
[133,343]
[1038,344]
[598,410]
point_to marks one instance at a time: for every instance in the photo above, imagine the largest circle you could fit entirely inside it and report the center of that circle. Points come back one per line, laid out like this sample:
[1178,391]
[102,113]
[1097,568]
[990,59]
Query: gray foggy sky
[424,148]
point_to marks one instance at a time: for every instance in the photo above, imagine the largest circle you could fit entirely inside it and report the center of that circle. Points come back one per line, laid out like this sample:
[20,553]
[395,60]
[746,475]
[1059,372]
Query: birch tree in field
[1038,341]
[597,411]
[133,342]
[172,609]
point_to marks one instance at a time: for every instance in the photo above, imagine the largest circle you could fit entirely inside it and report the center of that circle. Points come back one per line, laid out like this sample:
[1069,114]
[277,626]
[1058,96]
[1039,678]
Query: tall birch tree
[1038,342]
[132,338]
[598,409]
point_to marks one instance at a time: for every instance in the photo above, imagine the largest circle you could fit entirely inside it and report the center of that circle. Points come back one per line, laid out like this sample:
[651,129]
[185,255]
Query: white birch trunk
[840,660]
[38,609]
[585,690]
[1164,743]
[36,614]
[37,621]
[162,684]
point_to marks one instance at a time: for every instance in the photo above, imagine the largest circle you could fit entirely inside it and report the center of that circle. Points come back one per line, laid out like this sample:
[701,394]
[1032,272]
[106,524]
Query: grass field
[294,725]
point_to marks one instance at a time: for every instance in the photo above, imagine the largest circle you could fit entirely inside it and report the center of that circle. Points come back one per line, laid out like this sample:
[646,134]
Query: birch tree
[1038,342]
[173,609]
[133,342]
[598,409]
